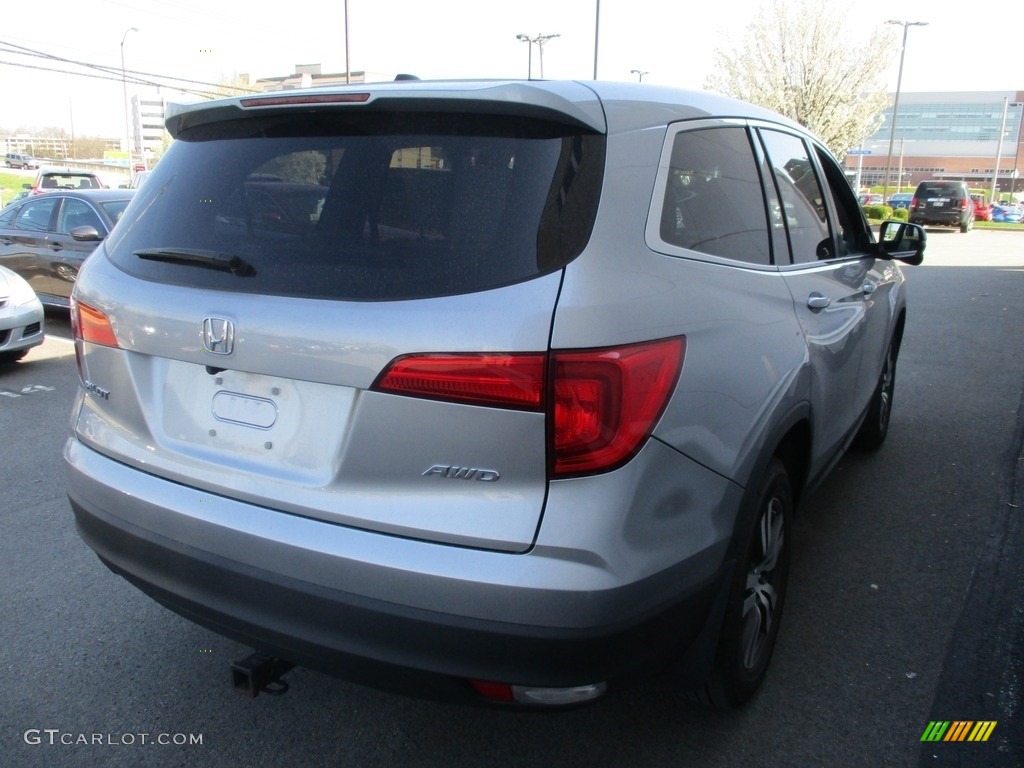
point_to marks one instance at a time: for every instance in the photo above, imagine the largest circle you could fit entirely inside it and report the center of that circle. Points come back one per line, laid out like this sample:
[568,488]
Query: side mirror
[902,241]
[86,234]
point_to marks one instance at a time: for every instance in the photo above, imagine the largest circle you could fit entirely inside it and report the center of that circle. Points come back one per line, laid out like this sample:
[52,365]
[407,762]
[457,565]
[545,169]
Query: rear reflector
[546,697]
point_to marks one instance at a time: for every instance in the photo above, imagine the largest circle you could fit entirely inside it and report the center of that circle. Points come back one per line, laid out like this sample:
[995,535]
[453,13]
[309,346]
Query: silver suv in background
[17,160]
[502,392]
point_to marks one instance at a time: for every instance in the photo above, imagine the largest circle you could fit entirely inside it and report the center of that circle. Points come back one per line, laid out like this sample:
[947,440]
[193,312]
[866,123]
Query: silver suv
[17,160]
[497,392]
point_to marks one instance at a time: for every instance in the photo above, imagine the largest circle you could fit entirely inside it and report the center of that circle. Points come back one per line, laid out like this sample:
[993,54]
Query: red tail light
[601,404]
[512,381]
[607,401]
[89,324]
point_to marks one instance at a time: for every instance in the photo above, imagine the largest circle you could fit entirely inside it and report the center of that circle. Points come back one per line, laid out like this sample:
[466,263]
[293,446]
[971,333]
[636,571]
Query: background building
[148,113]
[308,75]
[952,135]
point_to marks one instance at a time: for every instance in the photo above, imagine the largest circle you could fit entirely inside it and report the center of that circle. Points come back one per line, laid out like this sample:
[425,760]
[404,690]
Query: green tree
[799,58]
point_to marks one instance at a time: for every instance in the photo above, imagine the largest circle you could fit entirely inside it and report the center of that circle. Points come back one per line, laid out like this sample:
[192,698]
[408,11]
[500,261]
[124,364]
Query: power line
[117,79]
[137,78]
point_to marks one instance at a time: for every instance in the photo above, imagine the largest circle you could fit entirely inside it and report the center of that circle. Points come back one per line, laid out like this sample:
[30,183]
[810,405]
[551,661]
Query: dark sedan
[45,238]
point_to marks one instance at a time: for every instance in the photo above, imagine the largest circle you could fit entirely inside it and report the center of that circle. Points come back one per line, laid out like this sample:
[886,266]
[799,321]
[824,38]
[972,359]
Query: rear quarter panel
[746,362]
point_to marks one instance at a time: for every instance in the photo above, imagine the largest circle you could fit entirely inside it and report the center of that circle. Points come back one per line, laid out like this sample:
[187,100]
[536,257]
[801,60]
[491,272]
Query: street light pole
[899,178]
[597,32]
[999,148]
[896,103]
[348,68]
[639,74]
[529,54]
[124,88]
[539,40]
[1016,154]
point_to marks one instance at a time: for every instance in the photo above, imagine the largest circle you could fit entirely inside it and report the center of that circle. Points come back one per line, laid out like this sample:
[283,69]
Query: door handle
[817,301]
[56,247]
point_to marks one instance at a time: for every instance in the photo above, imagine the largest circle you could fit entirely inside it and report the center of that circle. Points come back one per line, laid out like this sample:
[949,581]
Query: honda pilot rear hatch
[272,309]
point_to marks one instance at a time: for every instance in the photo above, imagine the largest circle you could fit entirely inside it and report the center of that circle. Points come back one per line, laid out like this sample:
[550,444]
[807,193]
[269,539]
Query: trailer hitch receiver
[260,673]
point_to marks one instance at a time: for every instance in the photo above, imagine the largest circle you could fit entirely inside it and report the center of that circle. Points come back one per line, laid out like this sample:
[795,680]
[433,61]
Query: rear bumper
[946,218]
[314,621]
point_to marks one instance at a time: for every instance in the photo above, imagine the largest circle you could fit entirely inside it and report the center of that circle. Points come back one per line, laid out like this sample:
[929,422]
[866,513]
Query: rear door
[66,253]
[25,246]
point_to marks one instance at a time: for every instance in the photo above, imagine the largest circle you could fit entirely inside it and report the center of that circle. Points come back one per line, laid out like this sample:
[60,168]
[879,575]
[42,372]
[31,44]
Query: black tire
[967,226]
[756,596]
[873,431]
[12,357]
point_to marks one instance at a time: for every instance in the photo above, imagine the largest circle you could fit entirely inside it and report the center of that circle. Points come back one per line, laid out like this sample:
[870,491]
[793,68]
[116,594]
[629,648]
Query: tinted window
[35,216]
[114,209]
[713,199]
[78,213]
[854,235]
[803,202]
[928,190]
[376,206]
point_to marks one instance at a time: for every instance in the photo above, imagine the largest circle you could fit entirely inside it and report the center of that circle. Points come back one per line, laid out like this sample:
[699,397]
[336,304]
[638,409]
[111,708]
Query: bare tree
[798,58]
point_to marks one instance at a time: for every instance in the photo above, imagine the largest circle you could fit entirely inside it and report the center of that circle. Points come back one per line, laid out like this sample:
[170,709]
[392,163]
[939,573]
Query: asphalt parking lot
[904,606]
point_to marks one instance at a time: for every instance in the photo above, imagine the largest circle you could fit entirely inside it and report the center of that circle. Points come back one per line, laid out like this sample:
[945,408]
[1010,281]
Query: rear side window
[929,191]
[35,215]
[77,213]
[364,207]
[713,199]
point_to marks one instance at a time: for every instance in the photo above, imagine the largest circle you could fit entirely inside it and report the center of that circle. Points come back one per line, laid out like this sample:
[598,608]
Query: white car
[21,317]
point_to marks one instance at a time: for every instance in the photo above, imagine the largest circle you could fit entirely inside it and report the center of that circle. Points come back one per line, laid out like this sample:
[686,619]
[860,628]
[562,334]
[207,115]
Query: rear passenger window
[713,201]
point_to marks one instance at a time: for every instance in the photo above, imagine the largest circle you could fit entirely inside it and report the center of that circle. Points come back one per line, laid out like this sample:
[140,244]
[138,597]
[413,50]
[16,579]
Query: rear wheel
[873,431]
[966,226]
[758,591]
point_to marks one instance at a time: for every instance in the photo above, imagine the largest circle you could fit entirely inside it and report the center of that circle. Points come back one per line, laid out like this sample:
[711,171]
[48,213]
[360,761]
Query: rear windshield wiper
[209,259]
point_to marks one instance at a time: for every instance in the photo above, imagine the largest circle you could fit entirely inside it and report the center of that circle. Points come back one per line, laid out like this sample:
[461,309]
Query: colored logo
[958,730]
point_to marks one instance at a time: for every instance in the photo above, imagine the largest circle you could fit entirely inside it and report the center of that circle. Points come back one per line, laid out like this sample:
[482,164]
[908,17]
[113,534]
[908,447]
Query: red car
[982,210]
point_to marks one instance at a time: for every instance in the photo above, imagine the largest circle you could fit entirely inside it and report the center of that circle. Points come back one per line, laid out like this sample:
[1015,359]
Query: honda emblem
[218,335]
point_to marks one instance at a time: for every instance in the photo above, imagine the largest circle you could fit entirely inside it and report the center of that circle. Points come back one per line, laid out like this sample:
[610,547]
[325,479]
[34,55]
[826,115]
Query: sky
[671,42]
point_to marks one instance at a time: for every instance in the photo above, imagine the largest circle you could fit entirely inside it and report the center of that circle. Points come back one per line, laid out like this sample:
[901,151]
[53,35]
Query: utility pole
[896,104]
